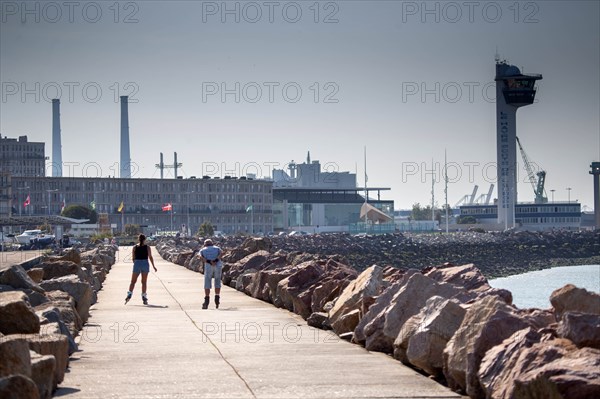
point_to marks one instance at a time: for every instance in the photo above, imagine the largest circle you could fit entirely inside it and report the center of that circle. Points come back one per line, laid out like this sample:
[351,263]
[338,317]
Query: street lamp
[552,191]
[569,194]
[50,192]
[188,228]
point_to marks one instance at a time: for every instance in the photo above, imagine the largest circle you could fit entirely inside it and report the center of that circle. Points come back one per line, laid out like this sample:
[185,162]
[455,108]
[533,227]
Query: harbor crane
[537,180]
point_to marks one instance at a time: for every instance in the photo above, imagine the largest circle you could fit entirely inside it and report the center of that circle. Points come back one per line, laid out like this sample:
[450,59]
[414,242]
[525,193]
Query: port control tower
[513,90]
[595,171]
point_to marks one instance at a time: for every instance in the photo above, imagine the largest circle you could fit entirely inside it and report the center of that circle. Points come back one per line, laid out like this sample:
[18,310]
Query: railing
[368,228]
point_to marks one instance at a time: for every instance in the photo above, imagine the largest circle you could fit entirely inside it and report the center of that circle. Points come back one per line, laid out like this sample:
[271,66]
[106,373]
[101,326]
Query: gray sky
[408,79]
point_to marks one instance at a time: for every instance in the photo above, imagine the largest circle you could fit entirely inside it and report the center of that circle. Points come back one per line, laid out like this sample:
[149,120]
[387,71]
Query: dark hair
[141,238]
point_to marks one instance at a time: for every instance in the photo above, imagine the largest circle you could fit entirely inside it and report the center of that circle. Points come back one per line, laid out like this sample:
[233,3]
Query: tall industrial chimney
[125,166]
[161,165]
[56,144]
[175,165]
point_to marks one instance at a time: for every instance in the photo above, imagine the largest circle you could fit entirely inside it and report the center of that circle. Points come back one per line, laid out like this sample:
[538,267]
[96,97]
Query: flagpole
[171,217]
[252,219]
[446,186]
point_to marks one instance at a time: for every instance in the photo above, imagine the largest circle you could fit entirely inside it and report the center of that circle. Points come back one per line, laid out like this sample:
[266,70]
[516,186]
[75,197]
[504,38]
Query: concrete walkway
[246,349]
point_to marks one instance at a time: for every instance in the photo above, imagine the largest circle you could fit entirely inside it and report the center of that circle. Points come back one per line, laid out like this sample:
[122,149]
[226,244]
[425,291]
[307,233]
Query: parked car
[8,238]
[298,233]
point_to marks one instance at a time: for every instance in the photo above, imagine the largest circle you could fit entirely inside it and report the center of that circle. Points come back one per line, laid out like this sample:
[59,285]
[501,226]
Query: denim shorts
[141,266]
[211,271]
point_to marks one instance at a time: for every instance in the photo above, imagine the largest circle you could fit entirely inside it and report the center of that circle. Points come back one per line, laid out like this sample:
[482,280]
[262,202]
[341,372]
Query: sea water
[533,289]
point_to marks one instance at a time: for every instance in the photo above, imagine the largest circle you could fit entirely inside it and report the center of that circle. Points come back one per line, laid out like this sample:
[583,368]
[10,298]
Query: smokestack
[161,165]
[175,164]
[125,154]
[56,144]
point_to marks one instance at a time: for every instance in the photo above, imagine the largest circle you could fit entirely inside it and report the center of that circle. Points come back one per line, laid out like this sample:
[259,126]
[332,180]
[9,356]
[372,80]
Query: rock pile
[44,303]
[495,254]
[446,321]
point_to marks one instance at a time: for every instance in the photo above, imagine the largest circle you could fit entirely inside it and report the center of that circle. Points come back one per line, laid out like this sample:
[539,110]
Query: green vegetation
[46,228]
[206,229]
[100,237]
[466,220]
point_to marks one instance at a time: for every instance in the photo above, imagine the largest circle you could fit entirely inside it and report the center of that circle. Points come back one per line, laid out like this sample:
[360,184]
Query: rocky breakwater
[445,321]
[495,254]
[450,324]
[44,303]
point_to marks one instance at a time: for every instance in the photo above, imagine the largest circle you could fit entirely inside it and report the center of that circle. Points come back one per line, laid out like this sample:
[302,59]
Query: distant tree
[466,220]
[46,228]
[206,229]
[424,213]
[132,229]
[80,212]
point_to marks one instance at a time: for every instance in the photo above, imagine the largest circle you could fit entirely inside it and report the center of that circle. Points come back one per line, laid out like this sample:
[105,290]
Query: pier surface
[246,349]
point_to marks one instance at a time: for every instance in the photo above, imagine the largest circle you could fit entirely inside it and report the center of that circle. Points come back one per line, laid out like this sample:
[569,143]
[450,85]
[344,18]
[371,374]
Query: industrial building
[21,157]
[187,202]
[312,200]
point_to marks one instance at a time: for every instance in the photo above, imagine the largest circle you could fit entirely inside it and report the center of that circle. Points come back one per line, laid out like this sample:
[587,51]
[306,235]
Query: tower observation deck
[513,90]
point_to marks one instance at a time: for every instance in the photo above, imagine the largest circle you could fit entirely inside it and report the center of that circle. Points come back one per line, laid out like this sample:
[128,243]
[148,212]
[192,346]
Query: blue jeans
[211,271]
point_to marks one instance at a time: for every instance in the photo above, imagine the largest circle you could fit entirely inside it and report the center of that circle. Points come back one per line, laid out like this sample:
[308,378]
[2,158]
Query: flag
[93,205]
[62,205]
[250,207]
[121,207]
[167,207]
[27,201]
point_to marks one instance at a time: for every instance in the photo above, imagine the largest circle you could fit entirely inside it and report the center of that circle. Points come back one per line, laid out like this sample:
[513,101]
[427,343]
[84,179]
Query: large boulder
[253,261]
[438,321]
[531,365]
[326,291]
[244,280]
[16,276]
[408,301]
[249,246]
[60,268]
[14,356]
[369,331]
[356,296]
[294,293]
[467,277]
[501,364]
[36,274]
[572,299]
[65,304]
[35,298]
[80,291]
[43,369]
[575,375]
[71,255]
[486,324]
[319,320]
[50,344]
[581,328]
[182,257]
[18,386]
[16,314]
[52,323]
[264,284]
